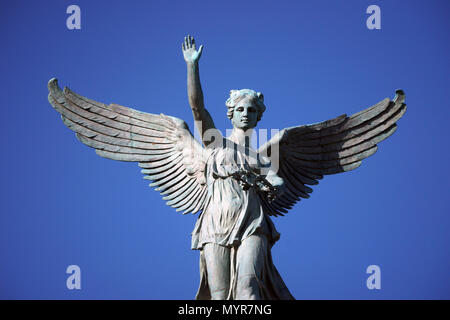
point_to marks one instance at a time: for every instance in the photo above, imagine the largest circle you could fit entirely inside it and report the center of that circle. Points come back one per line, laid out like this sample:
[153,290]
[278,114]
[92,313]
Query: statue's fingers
[200,49]
[186,42]
[193,43]
[183,47]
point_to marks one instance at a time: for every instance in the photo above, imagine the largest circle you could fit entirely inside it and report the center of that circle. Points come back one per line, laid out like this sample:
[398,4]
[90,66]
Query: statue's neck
[241,137]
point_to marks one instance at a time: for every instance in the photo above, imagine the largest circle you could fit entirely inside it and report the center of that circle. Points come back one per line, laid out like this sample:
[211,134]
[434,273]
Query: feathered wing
[164,147]
[308,152]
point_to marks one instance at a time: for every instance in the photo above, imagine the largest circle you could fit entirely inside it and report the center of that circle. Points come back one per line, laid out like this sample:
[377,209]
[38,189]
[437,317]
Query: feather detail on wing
[308,152]
[164,147]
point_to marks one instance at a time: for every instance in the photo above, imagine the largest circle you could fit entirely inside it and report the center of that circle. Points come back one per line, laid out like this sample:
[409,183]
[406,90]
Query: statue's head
[245,108]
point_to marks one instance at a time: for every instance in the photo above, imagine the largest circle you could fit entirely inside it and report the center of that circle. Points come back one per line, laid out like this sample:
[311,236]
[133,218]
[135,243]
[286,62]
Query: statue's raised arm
[203,120]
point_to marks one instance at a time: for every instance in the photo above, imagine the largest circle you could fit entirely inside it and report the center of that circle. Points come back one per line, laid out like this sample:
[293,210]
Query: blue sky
[313,60]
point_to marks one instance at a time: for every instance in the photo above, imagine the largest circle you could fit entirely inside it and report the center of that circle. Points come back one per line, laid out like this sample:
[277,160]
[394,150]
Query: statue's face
[245,114]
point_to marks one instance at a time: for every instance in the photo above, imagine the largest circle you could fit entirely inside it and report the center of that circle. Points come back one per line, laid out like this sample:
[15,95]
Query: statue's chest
[226,161]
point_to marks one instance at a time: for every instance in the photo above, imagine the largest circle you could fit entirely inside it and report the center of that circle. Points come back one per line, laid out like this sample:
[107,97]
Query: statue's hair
[238,95]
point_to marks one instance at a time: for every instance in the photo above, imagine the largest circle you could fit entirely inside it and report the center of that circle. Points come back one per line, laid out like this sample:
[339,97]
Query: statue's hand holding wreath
[248,179]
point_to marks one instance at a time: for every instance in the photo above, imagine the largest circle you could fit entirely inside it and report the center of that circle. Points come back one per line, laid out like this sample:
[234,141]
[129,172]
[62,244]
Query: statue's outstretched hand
[189,51]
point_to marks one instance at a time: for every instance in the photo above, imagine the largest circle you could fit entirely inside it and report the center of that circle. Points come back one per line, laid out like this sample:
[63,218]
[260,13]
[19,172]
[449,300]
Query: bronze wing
[308,152]
[162,145]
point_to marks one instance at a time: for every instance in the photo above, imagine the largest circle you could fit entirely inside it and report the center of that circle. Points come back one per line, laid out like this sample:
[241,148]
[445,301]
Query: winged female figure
[234,188]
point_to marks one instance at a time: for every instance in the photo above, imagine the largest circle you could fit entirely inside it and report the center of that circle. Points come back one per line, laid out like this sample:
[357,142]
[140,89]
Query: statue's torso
[231,214]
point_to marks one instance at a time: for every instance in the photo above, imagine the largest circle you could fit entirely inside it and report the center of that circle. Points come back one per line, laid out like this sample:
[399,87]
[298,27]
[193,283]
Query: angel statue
[234,188]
